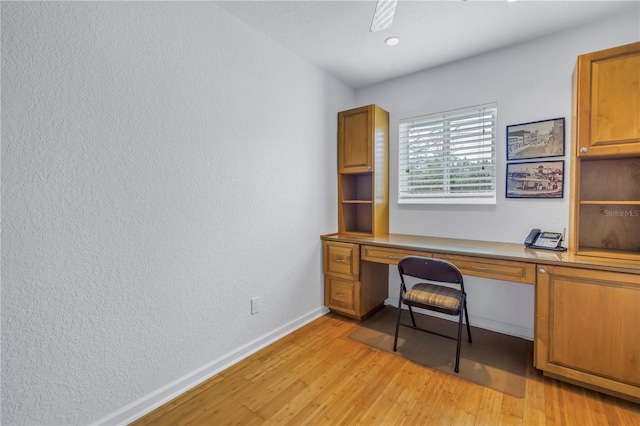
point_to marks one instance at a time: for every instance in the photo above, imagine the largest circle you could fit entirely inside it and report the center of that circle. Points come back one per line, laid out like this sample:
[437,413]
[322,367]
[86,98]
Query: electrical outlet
[255,305]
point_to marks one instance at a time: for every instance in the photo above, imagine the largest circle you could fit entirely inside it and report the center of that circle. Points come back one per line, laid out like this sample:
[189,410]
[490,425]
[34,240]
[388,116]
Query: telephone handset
[544,240]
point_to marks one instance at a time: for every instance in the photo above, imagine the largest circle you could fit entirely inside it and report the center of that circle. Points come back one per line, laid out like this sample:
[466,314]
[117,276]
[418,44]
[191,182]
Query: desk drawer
[519,272]
[341,295]
[341,260]
[388,255]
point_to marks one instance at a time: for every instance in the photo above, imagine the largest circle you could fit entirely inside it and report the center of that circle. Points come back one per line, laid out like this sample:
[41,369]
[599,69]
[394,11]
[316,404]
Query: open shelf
[610,226]
[357,217]
[615,179]
[357,187]
[609,207]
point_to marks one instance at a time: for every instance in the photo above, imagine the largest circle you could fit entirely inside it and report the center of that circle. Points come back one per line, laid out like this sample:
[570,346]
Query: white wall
[162,163]
[529,82]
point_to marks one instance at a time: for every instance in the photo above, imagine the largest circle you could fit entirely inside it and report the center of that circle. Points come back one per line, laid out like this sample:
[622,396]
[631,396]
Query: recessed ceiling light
[392,41]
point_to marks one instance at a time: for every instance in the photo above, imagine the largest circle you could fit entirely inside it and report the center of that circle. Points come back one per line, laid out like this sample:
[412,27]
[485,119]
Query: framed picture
[541,179]
[537,139]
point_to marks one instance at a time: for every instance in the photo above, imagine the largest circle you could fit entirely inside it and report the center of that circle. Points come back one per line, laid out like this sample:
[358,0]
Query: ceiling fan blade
[383,16]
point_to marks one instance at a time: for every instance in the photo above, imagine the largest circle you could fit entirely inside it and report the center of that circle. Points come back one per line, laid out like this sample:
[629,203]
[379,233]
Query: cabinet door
[355,153]
[608,102]
[587,327]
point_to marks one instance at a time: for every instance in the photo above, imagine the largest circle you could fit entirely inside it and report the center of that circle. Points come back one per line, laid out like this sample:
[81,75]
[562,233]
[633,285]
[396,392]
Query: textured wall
[162,163]
[529,82]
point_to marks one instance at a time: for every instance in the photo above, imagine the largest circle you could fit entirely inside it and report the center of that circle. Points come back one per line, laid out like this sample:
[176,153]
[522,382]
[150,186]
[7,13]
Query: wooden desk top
[490,250]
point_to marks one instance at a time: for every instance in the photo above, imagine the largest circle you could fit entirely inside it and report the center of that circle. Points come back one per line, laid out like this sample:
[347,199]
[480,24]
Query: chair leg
[413,319]
[395,339]
[466,314]
[459,340]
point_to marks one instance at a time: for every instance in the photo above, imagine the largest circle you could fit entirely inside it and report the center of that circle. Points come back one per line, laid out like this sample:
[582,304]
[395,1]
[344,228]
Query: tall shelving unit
[605,207]
[363,211]
[363,171]
[586,319]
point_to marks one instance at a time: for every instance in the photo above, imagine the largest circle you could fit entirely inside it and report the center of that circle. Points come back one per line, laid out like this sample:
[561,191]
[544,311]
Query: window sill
[449,201]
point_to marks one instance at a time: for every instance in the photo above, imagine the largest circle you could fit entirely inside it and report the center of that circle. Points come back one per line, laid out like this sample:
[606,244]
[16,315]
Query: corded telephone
[544,240]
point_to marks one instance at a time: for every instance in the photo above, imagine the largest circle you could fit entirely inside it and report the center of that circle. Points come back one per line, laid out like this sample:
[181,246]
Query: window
[449,158]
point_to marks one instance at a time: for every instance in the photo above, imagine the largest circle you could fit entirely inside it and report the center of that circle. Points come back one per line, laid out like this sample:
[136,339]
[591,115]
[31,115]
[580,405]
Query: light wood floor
[318,376]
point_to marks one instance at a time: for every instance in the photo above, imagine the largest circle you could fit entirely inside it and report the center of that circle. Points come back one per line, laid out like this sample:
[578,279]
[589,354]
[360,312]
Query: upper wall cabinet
[360,132]
[608,102]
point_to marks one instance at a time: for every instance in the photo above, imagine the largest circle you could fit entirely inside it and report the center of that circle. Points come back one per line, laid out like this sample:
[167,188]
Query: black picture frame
[535,179]
[537,139]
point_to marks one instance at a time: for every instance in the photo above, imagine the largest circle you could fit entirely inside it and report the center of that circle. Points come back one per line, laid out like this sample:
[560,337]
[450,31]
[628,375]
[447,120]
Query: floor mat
[494,360]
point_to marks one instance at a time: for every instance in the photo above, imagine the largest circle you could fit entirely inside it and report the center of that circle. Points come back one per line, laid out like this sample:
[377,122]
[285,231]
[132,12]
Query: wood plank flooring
[318,376]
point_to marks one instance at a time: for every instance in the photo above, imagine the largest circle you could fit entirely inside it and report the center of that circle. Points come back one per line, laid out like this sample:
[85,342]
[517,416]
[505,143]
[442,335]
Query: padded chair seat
[434,295]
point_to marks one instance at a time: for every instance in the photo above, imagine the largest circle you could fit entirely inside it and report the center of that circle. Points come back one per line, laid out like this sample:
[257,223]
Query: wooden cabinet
[586,319]
[348,289]
[607,98]
[341,277]
[586,328]
[355,136]
[363,210]
[605,198]
[363,171]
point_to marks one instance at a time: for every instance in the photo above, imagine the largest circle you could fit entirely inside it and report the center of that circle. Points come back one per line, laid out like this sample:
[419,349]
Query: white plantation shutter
[449,157]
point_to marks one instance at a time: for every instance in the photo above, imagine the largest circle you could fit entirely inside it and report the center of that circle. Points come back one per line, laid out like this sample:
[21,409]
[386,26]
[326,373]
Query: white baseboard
[480,322]
[155,399]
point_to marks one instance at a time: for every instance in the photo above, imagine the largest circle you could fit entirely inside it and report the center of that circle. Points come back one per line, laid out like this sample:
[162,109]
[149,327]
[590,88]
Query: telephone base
[547,248]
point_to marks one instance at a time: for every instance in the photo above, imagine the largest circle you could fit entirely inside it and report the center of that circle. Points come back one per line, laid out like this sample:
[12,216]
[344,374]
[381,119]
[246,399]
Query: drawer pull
[542,270]
[341,294]
[479,268]
[393,257]
[340,260]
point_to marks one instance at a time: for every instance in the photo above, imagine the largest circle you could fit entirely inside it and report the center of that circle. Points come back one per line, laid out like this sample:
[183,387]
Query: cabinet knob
[583,150]
[368,167]
[542,270]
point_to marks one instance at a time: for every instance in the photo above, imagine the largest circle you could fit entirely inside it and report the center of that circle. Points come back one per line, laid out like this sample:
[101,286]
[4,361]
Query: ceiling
[335,36]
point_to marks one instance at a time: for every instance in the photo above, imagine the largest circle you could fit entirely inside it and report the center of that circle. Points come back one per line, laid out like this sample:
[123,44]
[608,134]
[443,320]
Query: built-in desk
[587,309]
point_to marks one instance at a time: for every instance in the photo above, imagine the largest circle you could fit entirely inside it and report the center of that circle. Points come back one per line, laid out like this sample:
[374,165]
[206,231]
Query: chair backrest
[430,269]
